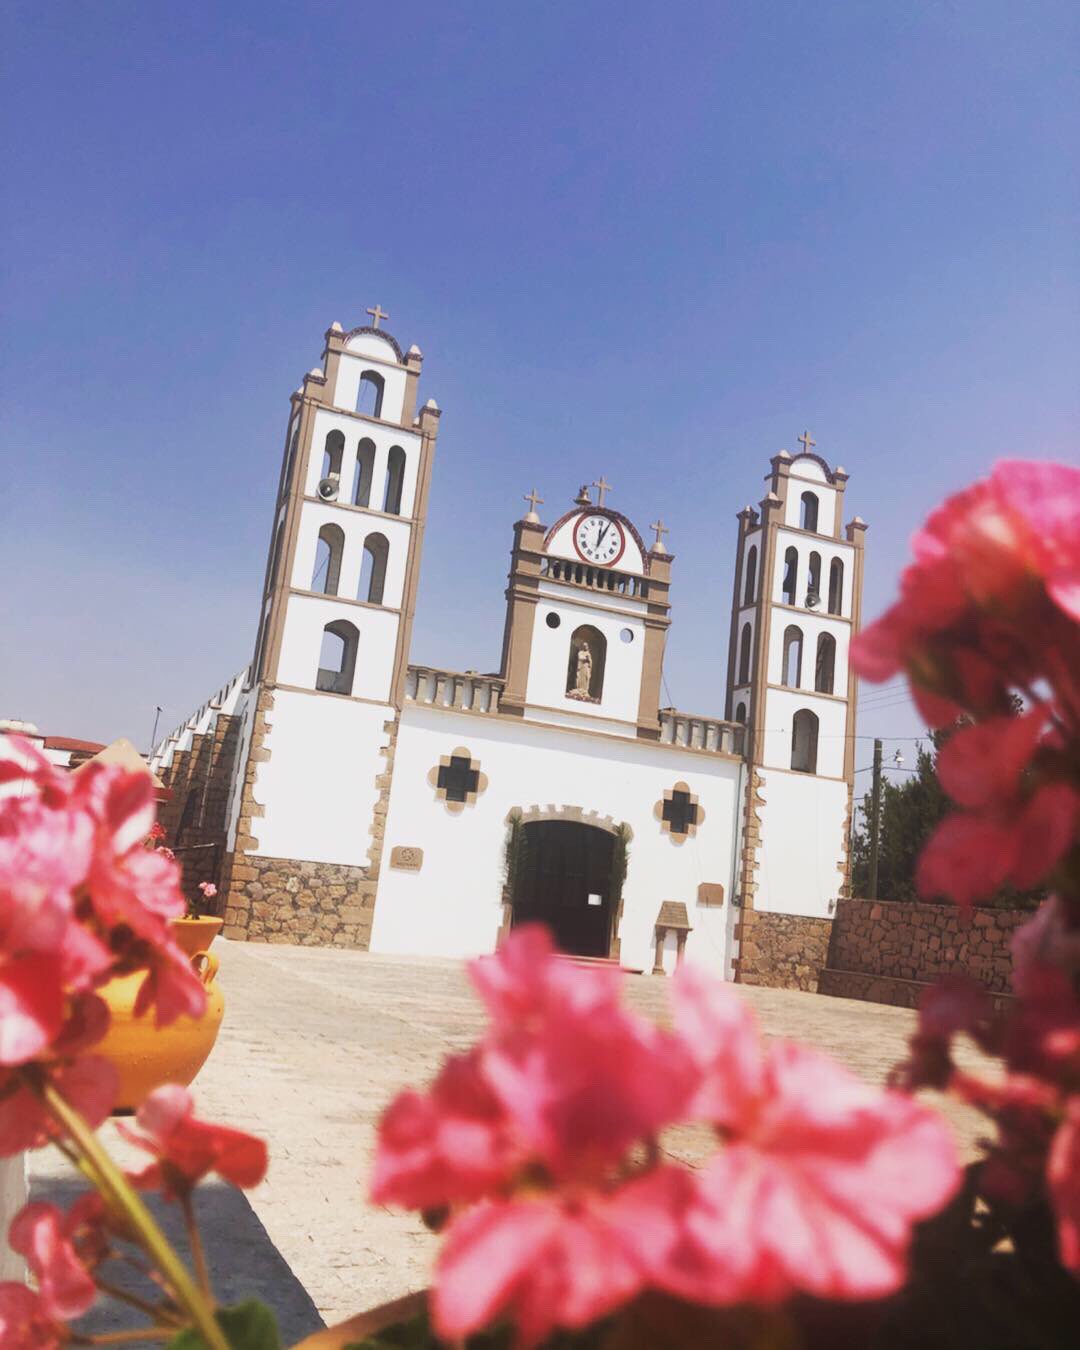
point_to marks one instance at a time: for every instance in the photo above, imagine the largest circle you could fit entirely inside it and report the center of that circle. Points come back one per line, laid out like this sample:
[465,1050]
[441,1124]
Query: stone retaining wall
[784,951]
[902,941]
[309,903]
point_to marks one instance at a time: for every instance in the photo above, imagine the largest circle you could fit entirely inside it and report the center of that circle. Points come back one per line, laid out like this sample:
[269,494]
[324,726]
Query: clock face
[599,539]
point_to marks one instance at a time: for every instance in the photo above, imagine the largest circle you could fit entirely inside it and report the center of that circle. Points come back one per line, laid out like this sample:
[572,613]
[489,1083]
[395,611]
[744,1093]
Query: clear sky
[653,241]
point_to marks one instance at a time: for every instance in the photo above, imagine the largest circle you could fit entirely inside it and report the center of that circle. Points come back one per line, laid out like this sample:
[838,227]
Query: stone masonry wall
[784,951]
[878,946]
[309,903]
[194,816]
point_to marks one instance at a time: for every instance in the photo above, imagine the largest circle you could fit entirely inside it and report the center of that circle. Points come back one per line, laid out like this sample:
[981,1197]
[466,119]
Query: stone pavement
[314,1044]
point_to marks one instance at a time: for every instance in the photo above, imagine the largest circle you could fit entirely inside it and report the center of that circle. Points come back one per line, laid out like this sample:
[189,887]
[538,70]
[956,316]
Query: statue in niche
[582,676]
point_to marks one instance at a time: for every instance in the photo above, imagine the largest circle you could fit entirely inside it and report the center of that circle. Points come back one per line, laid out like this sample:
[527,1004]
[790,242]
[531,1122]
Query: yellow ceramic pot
[146,1056]
[196,935]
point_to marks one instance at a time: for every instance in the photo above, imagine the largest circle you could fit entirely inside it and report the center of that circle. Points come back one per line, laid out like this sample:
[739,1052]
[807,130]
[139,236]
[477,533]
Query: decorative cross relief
[457,780]
[679,813]
[376,315]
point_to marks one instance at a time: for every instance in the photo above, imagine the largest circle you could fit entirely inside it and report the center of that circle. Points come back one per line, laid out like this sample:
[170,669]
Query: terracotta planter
[146,1056]
[364,1324]
[195,935]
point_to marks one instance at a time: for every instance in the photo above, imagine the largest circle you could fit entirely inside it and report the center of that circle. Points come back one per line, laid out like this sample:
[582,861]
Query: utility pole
[875,820]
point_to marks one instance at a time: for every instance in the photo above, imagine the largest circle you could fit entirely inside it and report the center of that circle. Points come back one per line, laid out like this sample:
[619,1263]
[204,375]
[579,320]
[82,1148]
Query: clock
[599,539]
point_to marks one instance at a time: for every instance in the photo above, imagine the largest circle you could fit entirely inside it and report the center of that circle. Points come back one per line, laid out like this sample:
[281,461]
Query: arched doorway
[565,881]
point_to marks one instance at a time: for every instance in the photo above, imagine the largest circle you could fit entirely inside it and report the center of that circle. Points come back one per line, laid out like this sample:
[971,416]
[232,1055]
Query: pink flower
[546,1261]
[208,889]
[534,1128]
[40,1233]
[994,563]
[580,1076]
[187,1148]
[972,854]
[31,1007]
[24,1323]
[449,1145]
[820,1179]
[1063,1179]
[88,1084]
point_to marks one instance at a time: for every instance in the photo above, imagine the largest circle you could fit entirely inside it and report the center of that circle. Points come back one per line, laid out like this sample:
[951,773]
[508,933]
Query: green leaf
[248,1326]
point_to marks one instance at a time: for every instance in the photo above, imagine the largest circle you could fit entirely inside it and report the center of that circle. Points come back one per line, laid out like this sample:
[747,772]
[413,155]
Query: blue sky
[649,241]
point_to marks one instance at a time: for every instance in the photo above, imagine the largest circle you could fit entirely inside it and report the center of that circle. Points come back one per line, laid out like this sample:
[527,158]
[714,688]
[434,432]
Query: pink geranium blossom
[1063,1179]
[88,1084]
[40,1232]
[24,1323]
[820,1179]
[187,1149]
[533,1128]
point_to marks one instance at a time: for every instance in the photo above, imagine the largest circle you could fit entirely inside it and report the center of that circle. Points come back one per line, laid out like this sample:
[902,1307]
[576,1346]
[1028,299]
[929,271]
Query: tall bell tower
[796,604]
[332,645]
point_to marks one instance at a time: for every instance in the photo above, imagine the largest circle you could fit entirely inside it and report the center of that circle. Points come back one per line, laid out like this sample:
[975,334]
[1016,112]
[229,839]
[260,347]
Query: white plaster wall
[802,829]
[356,526]
[452,907]
[353,364]
[305,618]
[550,660]
[807,544]
[781,705]
[354,432]
[561,545]
[812,623]
[808,476]
[318,786]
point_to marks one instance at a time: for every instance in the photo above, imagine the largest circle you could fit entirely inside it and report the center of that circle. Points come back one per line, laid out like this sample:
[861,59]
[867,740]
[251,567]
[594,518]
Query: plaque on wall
[710,893]
[406,857]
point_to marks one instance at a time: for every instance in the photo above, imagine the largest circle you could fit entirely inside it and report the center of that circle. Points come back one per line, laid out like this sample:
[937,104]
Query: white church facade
[339,794]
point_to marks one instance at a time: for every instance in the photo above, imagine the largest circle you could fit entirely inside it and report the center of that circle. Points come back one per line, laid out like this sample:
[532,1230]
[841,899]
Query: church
[338,794]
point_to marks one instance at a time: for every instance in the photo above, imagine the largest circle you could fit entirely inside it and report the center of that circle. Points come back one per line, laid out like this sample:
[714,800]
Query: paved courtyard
[315,1042]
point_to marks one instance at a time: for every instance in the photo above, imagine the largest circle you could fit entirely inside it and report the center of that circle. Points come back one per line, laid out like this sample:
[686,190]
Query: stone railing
[453,689]
[700,733]
[593,578]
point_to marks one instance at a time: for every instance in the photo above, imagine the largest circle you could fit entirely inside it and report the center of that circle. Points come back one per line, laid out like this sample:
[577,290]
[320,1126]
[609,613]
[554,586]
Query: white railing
[700,733]
[453,689]
[594,578]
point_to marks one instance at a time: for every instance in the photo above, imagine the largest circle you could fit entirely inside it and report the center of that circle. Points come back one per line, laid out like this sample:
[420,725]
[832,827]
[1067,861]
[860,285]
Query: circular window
[627,635]
[553,620]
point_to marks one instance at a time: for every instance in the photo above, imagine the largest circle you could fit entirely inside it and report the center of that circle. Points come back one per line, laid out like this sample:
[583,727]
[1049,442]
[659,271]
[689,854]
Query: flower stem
[198,1255]
[157,1311]
[116,1188]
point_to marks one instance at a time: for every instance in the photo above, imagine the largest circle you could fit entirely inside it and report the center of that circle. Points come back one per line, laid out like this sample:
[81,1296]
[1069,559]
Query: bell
[583,498]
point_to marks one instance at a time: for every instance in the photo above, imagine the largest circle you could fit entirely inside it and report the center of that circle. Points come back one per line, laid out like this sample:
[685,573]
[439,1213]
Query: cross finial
[807,441]
[534,500]
[601,487]
[661,529]
[376,315]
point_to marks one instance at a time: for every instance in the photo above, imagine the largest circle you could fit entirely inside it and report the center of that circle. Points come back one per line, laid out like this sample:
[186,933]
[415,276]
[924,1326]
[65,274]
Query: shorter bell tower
[797,602]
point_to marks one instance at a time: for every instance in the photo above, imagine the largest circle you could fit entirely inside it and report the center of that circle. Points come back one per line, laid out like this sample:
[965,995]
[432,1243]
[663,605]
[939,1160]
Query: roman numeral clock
[599,539]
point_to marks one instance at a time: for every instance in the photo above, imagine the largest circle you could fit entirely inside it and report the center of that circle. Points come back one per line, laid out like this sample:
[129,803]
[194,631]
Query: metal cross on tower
[601,487]
[661,529]
[534,500]
[807,441]
[376,315]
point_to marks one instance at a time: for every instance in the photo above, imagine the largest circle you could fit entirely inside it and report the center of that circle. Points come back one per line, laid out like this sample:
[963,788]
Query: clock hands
[600,536]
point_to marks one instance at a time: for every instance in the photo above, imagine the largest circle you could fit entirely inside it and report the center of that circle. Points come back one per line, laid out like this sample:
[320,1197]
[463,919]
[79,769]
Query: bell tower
[797,601]
[332,648]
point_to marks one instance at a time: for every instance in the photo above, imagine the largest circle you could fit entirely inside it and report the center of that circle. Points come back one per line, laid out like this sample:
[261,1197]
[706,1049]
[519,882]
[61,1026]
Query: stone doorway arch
[565,866]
